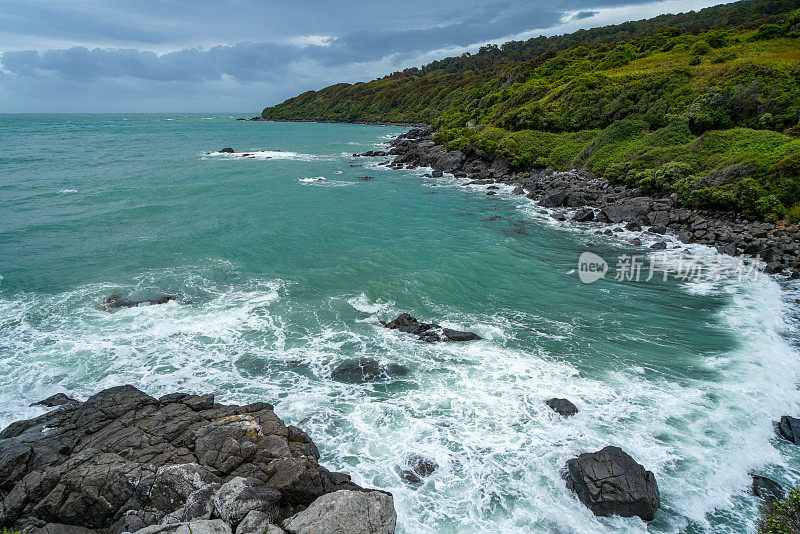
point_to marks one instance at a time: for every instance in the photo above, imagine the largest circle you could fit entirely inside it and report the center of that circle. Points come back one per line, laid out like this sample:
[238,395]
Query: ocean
[284,263]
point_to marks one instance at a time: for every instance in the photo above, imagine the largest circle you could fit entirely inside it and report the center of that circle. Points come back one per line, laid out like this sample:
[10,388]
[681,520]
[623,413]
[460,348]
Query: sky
[242,55]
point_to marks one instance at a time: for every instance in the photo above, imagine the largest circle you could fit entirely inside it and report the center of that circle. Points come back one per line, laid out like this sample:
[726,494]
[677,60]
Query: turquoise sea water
[283,276]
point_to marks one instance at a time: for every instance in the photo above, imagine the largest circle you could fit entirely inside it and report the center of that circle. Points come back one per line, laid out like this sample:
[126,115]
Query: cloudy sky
[242,55]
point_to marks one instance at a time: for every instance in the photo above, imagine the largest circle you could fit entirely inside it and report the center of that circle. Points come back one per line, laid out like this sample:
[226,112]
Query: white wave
[310,180]
[270,155]
[68,191]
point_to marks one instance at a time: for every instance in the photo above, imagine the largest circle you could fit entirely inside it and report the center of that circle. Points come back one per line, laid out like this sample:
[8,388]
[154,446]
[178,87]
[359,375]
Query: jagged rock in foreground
[343,511]
[123,461]
[610,482]
[429,332]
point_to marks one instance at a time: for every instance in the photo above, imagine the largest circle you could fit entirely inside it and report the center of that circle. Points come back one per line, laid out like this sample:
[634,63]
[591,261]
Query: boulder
[626,210]
[789,428]
[257,523]
[610,482]
[429,332]
[417,468]
[240,496]
[767,489]
[562,407]
[351,512]
[200,526]
[226,150]
[583,215]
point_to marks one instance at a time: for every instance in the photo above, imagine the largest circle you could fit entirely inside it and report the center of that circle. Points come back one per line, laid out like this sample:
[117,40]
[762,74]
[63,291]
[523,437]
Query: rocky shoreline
[123,461]
[579,196]
[328,121]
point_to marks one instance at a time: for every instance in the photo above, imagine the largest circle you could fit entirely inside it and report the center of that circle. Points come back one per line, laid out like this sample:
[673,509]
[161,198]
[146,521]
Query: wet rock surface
[610,482]
[366,370]
[118,301]
[123,461]
[429,332]
[562,407]
[597,200]
[767,489]
[789,428]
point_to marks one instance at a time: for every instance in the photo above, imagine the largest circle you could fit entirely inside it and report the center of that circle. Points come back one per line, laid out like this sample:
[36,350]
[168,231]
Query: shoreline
[327,121]
[578,196]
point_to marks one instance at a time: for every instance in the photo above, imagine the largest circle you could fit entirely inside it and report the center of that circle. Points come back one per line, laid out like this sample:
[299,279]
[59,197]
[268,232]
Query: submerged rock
[562,407]
[125,461]
[366,370]
[117,301]
[417,468]
[767,489]
[353,512]
[429,332]
[610,482]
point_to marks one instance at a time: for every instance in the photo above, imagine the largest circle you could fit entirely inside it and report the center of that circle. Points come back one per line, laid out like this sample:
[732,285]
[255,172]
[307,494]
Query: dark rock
[789,428]
[773,268]
[562,407]
[554,199]
[661,245]
[123,459]
[429,332]
[59,399]
[767,489]
[636,242]
[365,370]
[626,210]
[610,482]
[417,468]
[437,174]
[227,150]
[583,215]
[633,227]
[116,301]
[658,230]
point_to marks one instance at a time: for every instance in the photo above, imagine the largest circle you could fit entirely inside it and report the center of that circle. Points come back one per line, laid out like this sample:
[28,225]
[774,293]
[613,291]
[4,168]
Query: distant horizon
[110,58]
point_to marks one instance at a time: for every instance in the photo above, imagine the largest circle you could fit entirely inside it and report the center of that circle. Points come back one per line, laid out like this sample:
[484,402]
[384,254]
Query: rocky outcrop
[429,332]
[226,150]
[789,428]
[562,407]
[123,461]
[344,511]
[610,482]
[118,301]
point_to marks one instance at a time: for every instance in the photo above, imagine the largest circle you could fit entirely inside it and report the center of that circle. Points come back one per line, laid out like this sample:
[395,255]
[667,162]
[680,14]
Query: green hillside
[705,104]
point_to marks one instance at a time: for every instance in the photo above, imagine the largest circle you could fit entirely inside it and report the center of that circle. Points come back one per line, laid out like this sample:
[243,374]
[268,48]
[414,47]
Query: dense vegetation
[705,104]
[783,517]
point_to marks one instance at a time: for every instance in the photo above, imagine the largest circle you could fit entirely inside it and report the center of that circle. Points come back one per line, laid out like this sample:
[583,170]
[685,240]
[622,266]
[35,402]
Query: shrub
[783,517]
